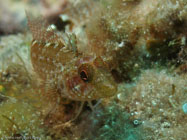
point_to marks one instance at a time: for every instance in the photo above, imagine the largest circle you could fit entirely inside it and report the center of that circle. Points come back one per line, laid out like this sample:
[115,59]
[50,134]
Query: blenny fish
[74,75]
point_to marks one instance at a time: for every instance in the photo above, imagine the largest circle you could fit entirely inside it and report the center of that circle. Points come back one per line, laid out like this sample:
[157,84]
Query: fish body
[81,77]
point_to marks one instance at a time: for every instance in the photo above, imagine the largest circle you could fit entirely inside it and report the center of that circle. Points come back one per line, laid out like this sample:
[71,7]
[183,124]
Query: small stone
[184,108]
[136,122]
[121,44]
[119,96]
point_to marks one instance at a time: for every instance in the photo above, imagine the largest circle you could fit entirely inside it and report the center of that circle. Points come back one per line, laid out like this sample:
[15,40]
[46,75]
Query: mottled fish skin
[80,77]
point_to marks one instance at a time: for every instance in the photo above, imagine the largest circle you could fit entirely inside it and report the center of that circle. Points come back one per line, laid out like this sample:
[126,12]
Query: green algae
[17,117]
[119,126]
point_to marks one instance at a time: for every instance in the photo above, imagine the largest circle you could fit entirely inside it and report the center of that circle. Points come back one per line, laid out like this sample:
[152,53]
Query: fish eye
[84,76]
[86,72]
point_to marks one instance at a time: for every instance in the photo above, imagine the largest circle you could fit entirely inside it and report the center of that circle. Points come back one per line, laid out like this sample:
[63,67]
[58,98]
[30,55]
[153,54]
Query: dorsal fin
[41,30]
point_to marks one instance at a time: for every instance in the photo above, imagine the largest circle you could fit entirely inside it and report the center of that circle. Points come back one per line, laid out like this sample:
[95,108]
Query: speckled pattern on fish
[81,77]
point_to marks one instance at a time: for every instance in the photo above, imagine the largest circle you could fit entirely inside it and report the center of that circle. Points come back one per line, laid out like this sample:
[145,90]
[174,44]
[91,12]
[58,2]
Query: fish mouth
[107,88]
[110,90]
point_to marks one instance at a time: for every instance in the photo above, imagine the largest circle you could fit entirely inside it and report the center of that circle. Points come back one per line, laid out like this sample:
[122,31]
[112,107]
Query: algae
[142,44]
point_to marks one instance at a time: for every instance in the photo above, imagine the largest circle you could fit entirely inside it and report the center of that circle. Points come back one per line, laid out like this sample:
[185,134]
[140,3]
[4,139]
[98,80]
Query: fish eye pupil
[84,76]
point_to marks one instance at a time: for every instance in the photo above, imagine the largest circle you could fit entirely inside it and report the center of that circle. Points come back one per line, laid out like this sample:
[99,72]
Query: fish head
[92,80]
